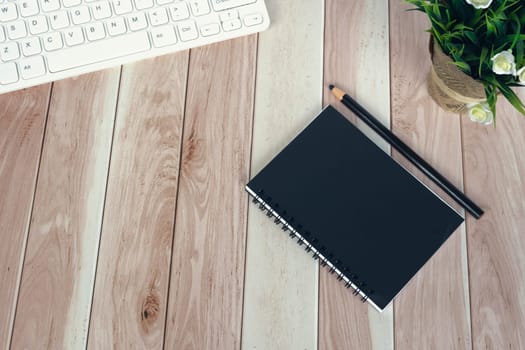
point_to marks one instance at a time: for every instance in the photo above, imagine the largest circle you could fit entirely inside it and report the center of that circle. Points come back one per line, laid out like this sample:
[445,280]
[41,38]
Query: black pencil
[408,153]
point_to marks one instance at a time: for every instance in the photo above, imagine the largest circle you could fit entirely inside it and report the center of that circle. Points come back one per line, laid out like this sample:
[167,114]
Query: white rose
[479,4]
[521,76]
[503,63]
[480,112]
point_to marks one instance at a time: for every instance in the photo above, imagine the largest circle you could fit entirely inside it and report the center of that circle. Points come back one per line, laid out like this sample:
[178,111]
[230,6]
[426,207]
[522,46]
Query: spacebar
[97,51]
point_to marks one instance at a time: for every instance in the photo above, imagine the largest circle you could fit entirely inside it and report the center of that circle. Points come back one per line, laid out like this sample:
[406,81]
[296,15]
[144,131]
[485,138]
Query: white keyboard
[48,40]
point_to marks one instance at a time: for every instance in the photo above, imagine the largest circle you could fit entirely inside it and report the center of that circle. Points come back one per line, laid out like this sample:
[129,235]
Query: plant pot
[450,87]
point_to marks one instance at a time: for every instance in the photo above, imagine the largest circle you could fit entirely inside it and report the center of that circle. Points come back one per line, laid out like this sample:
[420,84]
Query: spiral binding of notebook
[304,238]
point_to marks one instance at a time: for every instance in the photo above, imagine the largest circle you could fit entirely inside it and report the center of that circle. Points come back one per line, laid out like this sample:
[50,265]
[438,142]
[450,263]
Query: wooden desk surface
[124,223]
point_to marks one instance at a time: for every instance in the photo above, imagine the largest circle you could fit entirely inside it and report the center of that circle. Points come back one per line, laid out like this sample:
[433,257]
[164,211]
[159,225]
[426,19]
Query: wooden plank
[356,59]
[494,168]
[205,296]
[433,310]
[131,287]
[59,268]
[22,124]
[280,298]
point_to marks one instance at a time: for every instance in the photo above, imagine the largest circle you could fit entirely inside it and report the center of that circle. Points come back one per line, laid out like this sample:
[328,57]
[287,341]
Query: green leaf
[472,36]
[441,26]
[482,57]
[491,28]
[492,98]
[462,27]
[520,57]
[437,11]
[506,41]
[460,9]
[518,31]
[437,36]
[463,66]
[511,96]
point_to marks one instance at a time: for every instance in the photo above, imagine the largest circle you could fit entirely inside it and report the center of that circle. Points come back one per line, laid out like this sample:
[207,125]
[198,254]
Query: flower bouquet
[477,49]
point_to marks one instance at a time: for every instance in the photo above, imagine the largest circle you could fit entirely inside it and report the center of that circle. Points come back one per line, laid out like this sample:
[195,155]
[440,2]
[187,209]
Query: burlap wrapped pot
[449,86]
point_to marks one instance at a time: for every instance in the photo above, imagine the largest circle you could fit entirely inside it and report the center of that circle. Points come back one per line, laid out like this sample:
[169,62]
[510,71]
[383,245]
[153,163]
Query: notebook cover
[350,200]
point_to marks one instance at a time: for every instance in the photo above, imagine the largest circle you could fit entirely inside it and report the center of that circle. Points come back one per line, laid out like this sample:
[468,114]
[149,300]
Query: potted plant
[477,49]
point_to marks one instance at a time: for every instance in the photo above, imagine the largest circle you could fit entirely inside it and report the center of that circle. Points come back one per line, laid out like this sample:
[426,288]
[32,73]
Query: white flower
[503,63]
[479,4]
[480,112]
[521,76]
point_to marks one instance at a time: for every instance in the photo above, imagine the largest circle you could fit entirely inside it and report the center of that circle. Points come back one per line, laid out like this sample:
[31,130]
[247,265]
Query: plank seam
[176,199]
[469,293]
[28,230]
[391,125]
[104,205]
[323,52]
[249,175]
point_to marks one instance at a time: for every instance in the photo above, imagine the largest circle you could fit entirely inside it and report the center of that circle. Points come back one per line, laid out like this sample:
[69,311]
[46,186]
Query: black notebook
[350,205]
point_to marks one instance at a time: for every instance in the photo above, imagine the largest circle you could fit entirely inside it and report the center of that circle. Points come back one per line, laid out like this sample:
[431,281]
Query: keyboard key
[32,67]
[252,20]
[137,21]
[38,25]
[49,5]
[187,30]
[199,7]
[74,36]
[31,46]
[143,4]
[232,24]
[220,5]
[8,73]
[158,17]
[227,15]
[9,51]
[16,30]
[71,3]
[2,35]
[179,11]
[122,6]
[59,20]
[52,41]
[8,12]
[116,26]
[80,15]
[101,10]
[95,31]
[210,29]
[98,51]
[29,8]
[163,36]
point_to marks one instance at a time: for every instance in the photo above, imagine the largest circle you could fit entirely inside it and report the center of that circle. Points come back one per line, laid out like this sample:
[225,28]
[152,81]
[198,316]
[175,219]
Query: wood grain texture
[356,59]
[22,124]
[155,290]
[437,297]
[206,288]
[59,267]
[281,289]
[131,287]
[494,168]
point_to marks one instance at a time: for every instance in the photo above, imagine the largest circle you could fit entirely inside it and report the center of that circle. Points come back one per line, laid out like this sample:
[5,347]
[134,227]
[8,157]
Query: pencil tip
[331,86]
[338,93]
